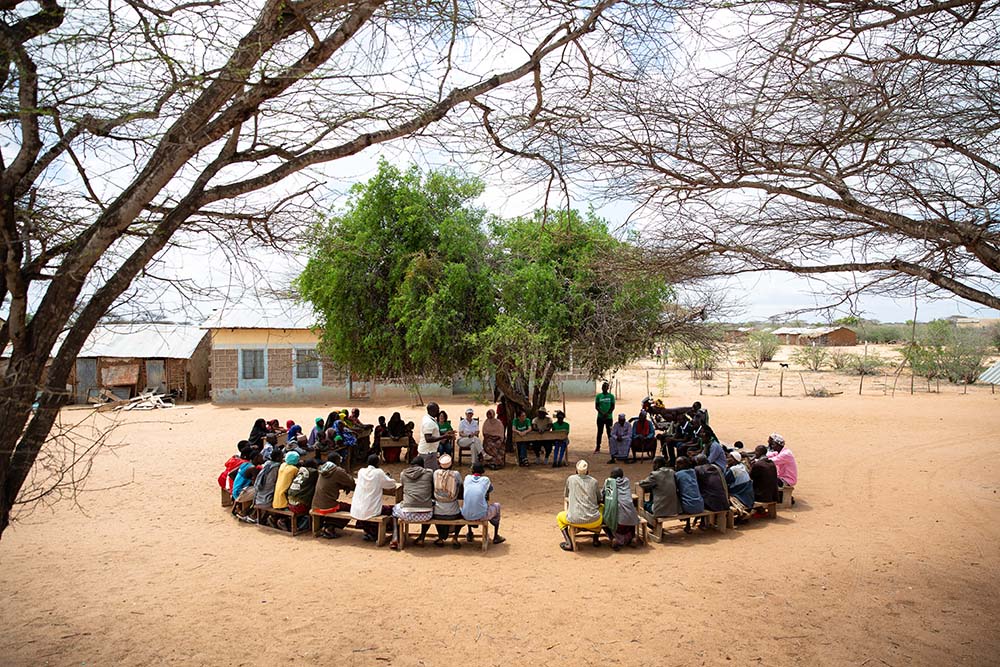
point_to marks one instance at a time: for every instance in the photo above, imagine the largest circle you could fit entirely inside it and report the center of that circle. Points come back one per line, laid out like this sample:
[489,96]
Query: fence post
[781,383]
[885,383]
[805,392]
[862,383]
[755,382]
[727,383]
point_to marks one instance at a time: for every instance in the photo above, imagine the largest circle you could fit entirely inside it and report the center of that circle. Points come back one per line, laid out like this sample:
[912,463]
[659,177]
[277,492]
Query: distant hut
[820,336]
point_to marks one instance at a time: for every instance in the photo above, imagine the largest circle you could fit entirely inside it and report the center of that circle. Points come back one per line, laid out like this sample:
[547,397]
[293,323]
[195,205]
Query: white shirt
[367,500]
[428,427]
[467,428]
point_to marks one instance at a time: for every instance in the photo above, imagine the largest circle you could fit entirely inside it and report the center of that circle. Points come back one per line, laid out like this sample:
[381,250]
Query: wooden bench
[386,442]
[641,532]
[263,512]
[382,521]
[484,526]
[720,520]
[786,495]
[770,509]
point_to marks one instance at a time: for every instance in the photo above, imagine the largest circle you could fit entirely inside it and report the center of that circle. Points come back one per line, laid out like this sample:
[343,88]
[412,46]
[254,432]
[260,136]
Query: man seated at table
[417,505]
[560,426]
[468,435]
[542,423]
[764,475]
[583,497]
[643,435]
[367,502]
[476,505]
[661,486]
[620,439]
[333,480]
[521,426]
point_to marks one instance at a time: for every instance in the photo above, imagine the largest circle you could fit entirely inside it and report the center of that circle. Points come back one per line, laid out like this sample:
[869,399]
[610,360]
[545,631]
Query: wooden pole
[727,383]
[805,392]
[755,382]
[647,382]
[562,390]
[861,384]
[781,382]
[701,391]
[885,383]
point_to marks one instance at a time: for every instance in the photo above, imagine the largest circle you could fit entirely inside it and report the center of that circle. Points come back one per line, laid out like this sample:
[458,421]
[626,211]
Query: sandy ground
[889,557]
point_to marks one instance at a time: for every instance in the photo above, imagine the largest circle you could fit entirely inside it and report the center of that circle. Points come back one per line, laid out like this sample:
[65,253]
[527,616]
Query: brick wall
[279,367]
[224,369]
[333,376]
[175,372]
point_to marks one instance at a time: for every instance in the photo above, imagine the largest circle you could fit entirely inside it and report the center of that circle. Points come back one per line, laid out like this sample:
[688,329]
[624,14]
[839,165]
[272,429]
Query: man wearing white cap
[583,499]
[468,435]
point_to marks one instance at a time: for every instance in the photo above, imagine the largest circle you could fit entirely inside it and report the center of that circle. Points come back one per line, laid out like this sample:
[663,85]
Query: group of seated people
[284,478]
[712,479]
[542,423]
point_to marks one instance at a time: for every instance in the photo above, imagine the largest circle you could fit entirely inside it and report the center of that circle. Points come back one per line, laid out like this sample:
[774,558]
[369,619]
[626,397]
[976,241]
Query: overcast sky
[754,296]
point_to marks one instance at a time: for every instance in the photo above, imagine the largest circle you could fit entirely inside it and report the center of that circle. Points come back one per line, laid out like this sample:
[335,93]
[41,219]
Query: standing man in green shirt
[604,403]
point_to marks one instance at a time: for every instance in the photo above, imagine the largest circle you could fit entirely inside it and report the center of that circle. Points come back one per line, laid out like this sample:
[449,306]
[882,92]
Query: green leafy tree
[401,277]
[563,299]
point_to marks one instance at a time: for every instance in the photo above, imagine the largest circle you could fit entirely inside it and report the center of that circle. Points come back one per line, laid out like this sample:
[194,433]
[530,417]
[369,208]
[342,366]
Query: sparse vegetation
[759,347]
[813,357]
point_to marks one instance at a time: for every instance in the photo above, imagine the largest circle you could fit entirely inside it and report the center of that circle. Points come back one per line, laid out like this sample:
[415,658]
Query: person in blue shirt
[476,504]
[687,489]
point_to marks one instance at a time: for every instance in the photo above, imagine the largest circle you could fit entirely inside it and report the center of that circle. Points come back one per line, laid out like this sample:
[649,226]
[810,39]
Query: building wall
[334,384]
[198,379]
[840,337]
[279,367]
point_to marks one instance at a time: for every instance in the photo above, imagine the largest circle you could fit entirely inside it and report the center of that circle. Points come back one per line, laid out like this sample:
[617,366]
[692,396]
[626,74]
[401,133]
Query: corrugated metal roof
[140,340]
[264,315]
[991,375]
[148,341]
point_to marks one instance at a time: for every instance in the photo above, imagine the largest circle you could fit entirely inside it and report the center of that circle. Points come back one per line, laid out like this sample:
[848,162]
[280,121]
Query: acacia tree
[815,138]
[128,122]
[564,300]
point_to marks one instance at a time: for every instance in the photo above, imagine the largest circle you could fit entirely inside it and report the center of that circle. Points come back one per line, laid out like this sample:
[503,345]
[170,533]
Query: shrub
[760,346]
[699,359]
[839,360]
[813,358]
[859,364]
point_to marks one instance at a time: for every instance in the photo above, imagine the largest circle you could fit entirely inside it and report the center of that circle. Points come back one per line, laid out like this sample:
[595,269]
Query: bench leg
[294,521]
[382,538]
[719,522]
[316,525]
[572,537]
[772,511]
[486,535]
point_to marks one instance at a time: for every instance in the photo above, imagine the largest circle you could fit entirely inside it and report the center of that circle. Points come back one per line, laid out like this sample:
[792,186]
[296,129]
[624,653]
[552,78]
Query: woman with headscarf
[620,516]
[397,429]
[257,434]
[494,447]
[315,433]
[293,430]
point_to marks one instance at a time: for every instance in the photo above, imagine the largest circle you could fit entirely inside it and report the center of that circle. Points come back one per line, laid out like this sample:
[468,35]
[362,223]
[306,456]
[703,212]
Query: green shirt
[605,404]
[556,426]
[522,424]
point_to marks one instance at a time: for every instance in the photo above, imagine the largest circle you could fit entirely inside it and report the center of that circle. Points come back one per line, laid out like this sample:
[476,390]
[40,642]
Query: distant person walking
[604,403]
